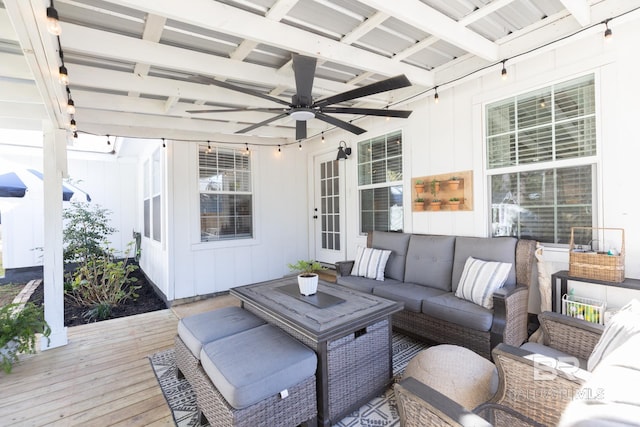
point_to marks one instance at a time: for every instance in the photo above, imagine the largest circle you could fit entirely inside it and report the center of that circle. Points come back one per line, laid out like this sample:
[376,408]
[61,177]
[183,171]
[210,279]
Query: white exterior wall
[192,268]
[448,137]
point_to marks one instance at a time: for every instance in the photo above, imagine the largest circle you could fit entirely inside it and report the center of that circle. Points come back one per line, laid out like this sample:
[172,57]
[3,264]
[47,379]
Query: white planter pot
[308,285]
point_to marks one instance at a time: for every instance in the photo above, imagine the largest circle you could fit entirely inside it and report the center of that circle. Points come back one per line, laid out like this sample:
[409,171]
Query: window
[541,155]
[380,183]
[226,199]
[152,197]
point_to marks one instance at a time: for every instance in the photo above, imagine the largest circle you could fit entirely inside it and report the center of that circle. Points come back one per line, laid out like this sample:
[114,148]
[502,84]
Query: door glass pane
[330,204]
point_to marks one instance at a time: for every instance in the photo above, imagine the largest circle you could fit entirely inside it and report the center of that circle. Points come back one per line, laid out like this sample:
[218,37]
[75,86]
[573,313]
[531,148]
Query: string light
[75,135]
[246,150]
[322,140]
[504,70]
[208,147]
[108,141]
[64,75]
[279,150]
[72,125]
[608,34]
[299,145]
[164,144]
[436,97]
[71,106]
[53,21]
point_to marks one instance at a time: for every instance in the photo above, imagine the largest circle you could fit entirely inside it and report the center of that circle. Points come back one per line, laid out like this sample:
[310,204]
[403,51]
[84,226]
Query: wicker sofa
[423,272]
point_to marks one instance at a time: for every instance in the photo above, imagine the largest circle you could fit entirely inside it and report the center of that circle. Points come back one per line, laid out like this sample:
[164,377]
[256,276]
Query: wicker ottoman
[457,372]
[200,329]
[259,377]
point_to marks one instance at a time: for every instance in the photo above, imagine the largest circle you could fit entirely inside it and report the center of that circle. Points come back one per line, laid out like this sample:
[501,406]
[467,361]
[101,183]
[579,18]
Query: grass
[9,292]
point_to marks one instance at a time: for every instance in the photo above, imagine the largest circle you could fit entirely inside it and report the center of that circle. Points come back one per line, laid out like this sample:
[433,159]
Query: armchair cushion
[370,263]
[397,243]
[502,249]
[623,326]
[409,293]
[363,284]
[429,261]
[480,279]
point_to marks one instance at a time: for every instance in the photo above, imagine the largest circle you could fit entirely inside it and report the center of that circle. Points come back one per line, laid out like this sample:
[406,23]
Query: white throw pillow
[622,327]
[370,263]
[480,279]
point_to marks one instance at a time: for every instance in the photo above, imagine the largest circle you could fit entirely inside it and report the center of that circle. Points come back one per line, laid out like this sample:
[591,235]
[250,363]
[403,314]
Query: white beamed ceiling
[130,61]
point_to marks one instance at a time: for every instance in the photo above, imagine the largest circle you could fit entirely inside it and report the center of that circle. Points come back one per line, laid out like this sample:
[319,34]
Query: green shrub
[18,326]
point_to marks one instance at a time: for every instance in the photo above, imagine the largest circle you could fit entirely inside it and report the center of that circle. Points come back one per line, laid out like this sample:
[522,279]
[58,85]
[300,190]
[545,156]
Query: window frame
[252,171]
[152,191]
[593,160]
[399,183]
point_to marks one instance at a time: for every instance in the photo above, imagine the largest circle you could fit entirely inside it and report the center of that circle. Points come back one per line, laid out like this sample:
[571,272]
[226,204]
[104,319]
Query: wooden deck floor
[103,377]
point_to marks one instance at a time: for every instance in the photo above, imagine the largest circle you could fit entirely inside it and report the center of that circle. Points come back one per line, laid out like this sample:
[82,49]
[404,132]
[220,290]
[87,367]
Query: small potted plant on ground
[418,204]
[454,183]
[419,187]
[454,203]
[307,275]
[18,328]
[435,204]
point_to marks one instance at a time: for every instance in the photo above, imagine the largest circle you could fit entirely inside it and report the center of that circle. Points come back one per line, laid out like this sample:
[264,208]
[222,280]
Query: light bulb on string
[322,138]
[64,75]
[75,135]
[72,125]
[503,73]
[299,145]
[279,150]
[108,141]
[208,147]
[71,106]
[164,144]
[608,34]
[53,21]
[436,97]
[246,150]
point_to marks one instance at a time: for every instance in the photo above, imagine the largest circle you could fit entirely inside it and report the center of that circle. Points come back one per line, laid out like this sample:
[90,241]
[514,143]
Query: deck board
[102,377]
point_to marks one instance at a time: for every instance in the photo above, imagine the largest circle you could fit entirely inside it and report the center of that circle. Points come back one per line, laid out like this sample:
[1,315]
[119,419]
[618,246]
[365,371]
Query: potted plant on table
[18,327]
[307,275]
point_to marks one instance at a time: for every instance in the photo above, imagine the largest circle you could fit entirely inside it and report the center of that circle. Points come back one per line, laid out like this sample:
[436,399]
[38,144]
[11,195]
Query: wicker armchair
[532,390]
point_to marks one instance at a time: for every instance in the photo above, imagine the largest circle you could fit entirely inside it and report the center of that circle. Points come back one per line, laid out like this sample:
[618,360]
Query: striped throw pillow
[370,263]
[480,279]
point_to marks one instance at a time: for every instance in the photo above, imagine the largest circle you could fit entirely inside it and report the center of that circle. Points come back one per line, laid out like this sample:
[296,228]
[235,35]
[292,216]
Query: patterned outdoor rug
[379,412]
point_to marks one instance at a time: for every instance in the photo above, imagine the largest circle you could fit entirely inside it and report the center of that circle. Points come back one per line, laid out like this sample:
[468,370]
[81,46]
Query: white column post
[55,167]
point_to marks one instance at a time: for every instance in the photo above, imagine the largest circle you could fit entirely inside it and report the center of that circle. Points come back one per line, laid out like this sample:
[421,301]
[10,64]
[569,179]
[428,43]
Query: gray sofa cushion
[200,329]
[429,261]
[397,243]
[250,366]
[455,310]
[363,284]
[408,293]
[501,249]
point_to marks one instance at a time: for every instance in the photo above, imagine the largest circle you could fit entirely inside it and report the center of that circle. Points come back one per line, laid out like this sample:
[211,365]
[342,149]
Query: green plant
[99,312]
[306,268]
[435,200]
[434,188]
[454,178]
[18,327]
[419,200]
[85,232]
[454,199]
[419,182]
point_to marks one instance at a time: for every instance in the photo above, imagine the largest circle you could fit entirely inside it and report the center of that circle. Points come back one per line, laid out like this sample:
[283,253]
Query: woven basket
[597,265]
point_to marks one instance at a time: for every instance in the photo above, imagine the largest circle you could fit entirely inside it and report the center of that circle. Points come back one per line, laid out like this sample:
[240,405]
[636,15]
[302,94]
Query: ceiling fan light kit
[303,108]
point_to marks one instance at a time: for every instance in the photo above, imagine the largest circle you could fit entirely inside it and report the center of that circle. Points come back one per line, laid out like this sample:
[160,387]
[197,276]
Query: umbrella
[11,185]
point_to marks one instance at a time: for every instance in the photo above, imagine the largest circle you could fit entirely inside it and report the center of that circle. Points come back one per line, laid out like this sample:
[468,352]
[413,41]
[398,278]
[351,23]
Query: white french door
[328,210]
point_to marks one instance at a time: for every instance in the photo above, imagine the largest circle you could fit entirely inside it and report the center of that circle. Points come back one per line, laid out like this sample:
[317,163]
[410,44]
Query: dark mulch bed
[147,301]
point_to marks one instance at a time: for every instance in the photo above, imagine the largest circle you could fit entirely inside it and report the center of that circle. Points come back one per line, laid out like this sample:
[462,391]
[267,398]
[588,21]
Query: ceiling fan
[302,107]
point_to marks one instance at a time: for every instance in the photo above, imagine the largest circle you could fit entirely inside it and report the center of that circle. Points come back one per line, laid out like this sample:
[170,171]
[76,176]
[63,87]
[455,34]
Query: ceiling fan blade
[301,130]
[230,86]
[384,112]
[304,68]
[232,110]
[340,123]
[262,123]
[382,86]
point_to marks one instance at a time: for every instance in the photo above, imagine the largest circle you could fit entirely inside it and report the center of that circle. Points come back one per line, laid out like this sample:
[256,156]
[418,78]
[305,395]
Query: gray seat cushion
[397,243]
[200,329]
[542,349]
[501,249]
[455,310]
[255,364]
[363,284]
[430,260]
[408,293]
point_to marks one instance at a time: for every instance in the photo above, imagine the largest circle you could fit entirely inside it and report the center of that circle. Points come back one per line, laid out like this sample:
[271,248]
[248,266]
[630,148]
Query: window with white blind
[541,161]
[152,197]
[226,198]
[380,183]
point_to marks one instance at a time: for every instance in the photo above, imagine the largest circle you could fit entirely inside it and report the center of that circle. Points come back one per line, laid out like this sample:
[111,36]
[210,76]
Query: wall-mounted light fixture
[343,151]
